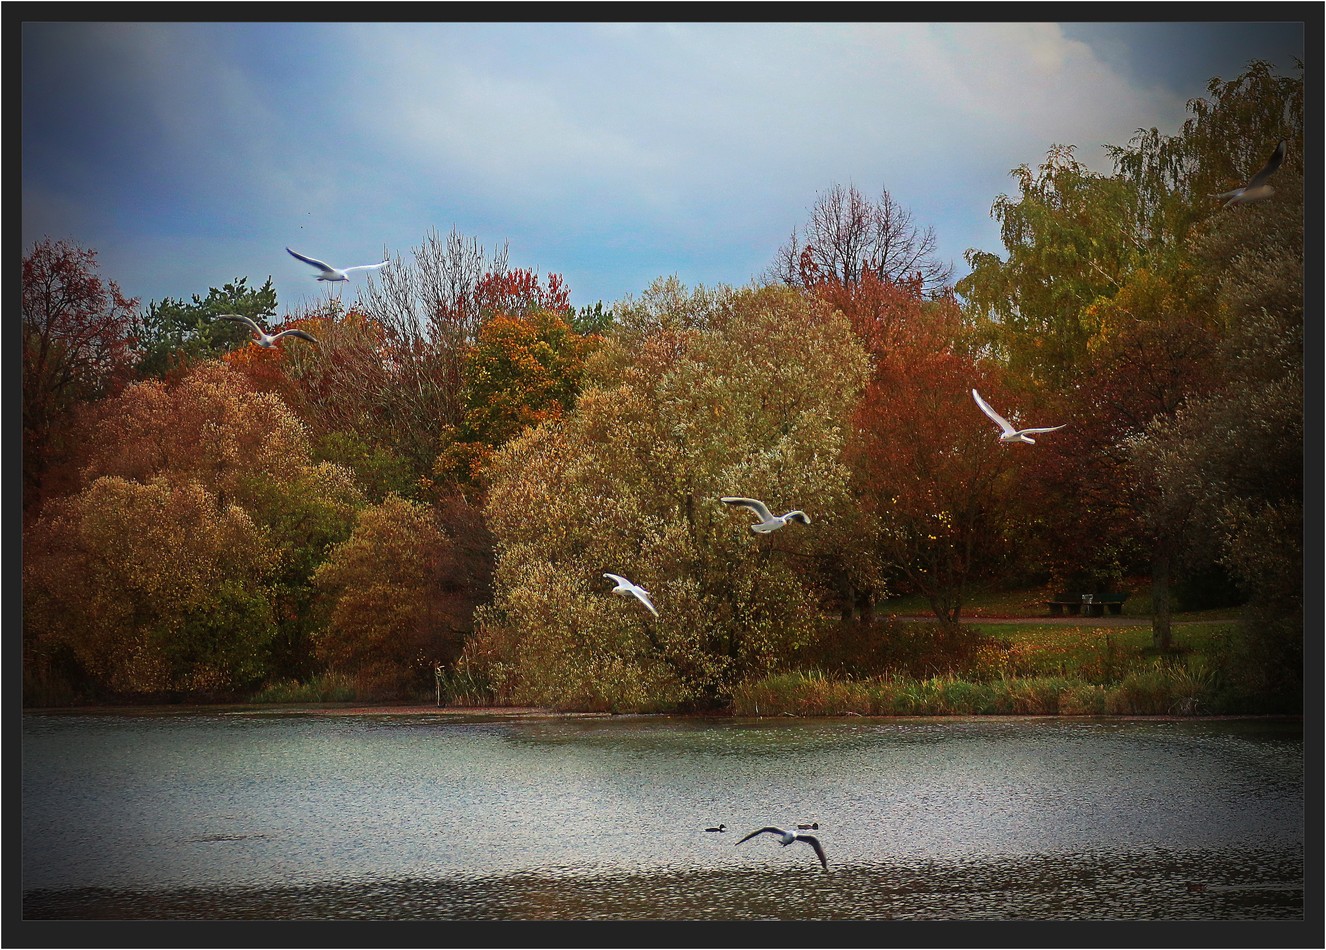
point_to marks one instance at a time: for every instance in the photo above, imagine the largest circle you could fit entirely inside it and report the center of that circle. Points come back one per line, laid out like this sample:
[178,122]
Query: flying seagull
[262,338]
[768,520]
[1010,434]
[787,837]
[625,588]
[1257,189]
[330,273]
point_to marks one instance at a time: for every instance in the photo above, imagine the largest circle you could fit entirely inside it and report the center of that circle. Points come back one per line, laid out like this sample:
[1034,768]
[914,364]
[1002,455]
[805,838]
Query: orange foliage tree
[525,368]
[937,492]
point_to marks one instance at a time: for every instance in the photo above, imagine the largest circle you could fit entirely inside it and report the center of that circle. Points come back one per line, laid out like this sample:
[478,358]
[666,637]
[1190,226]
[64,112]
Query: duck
[720,828]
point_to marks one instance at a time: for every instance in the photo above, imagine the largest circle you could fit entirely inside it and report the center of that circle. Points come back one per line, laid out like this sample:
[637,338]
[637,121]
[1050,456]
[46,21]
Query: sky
[612,153]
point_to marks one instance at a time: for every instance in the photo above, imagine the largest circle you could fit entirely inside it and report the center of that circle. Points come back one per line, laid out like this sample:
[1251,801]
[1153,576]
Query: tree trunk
[865,605]
[1161,627]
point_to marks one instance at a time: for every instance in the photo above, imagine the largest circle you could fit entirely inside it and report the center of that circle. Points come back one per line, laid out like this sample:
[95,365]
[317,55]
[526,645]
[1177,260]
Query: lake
[261,815]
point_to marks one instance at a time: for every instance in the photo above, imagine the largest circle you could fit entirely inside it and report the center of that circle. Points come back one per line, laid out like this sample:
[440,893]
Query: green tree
[1071,240]
[173,334]
[1231,459]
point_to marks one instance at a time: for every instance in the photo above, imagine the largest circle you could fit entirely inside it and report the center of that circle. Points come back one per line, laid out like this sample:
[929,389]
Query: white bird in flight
[261,337]
[625,588]
[330,273]
[1257,189]
[768,520]
[787,837]
[1010,434]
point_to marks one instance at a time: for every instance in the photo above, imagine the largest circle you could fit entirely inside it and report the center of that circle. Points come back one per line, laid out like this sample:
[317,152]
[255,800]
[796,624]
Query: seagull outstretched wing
[754,505]
[1272,165]
[240,318]
[760,831]
[998,419]
[320,265]
[819,850]
[363,267]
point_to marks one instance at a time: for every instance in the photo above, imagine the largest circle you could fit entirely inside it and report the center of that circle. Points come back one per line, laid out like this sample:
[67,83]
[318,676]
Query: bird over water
[787,837]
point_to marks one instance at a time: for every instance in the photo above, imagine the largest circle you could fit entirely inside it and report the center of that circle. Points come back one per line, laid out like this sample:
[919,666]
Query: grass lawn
[1045,649]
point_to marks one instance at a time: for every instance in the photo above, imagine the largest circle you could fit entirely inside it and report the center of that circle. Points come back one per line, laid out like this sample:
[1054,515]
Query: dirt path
[1109,621]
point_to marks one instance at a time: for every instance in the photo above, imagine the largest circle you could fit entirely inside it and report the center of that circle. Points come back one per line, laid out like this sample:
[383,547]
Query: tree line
[437,486]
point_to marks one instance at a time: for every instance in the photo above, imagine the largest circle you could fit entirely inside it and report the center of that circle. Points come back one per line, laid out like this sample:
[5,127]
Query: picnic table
[1086,605]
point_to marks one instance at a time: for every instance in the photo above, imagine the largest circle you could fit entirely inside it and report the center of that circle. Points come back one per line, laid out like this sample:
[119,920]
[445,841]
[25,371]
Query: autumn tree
[522,370]
[739,392]
[396,598]
[246,449]
[848,236]
[428,312]
[78,346]
[141,588]
[939,493]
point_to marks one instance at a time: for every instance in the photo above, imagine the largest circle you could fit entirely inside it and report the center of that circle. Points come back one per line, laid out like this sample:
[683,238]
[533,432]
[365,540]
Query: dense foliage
[433,491]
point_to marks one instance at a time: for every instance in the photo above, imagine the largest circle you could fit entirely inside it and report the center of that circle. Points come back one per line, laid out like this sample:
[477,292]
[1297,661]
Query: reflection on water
[255,816]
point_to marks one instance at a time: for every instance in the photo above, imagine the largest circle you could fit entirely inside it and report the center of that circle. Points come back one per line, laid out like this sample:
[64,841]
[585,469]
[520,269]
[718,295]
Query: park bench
[1088,605]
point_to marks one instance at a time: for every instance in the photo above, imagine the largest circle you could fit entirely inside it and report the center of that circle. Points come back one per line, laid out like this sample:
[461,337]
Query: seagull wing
[320,265]
[643,596]
[772,831]
[985,408]
[819,849]
[297,334]
[619,579]
[1272,165]
[1035,431]
[240,318]
[753,504]
[363,267]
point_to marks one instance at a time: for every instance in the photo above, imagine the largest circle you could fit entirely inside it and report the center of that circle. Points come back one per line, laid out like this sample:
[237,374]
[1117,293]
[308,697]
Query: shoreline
[537,712]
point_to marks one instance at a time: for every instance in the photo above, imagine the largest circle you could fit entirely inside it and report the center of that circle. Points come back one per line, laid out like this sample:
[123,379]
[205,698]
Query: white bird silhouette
[625,588]
[330,273]
[261,337]
[787,837]
[768,520]
[1010,434]
[1257,189]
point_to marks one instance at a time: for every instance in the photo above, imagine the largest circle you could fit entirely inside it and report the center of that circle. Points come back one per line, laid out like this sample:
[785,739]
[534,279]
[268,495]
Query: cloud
[603,150]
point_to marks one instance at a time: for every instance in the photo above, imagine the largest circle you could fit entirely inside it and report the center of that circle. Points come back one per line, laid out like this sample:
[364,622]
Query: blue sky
[189,154]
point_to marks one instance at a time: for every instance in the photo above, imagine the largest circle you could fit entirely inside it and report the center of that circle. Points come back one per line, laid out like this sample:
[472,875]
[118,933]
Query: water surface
[247,815]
